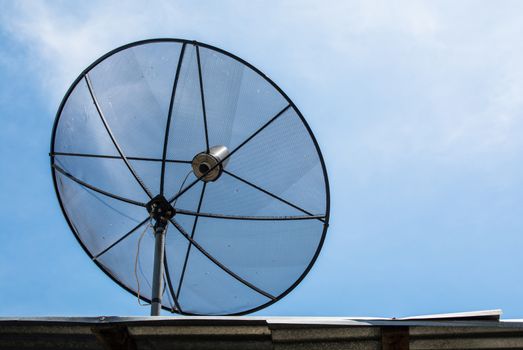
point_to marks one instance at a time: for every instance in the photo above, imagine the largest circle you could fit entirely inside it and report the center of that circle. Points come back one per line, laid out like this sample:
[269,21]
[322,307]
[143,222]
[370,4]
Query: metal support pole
[159,244]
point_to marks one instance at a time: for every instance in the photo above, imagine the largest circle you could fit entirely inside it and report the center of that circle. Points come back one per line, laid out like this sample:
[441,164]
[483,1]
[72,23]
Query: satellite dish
[190,178]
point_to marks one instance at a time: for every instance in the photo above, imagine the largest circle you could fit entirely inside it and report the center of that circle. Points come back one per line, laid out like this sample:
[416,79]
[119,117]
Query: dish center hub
[207,164]
[160,209]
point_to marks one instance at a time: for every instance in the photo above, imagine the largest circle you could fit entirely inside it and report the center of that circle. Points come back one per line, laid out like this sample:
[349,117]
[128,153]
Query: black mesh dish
[128,129]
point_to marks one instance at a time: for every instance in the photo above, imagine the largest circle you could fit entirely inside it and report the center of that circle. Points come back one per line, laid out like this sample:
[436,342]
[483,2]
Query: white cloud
[63,39]
[458,66]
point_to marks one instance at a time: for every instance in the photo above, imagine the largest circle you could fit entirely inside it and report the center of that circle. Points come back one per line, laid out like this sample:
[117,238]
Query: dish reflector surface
[128,130]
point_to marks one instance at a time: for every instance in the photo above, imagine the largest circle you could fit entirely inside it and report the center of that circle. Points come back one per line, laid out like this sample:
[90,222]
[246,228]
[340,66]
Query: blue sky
[417,106]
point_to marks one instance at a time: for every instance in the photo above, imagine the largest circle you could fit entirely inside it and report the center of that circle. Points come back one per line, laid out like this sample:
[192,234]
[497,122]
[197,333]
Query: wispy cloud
[449,79]
[62,38]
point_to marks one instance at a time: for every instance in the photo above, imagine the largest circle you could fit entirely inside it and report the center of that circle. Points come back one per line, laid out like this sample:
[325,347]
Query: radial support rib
[119,239]
[321,218]
[189,245]
[219,264]
[170,285]
[202,95]
[169,117]
[242,217]
[87,155]
[96,189]
[113,139]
